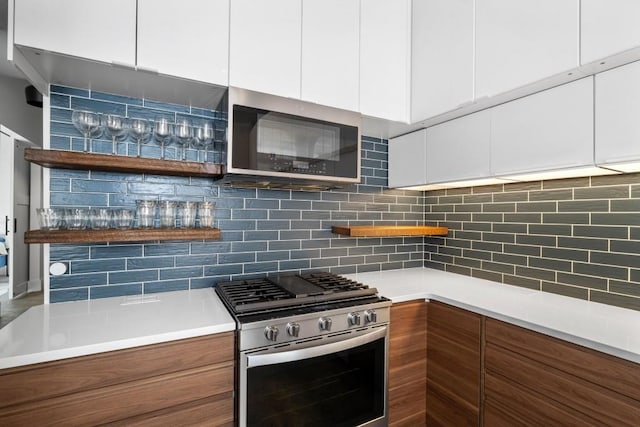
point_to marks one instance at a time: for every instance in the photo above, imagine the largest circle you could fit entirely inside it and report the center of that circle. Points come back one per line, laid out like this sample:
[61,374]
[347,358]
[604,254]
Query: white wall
[15,113]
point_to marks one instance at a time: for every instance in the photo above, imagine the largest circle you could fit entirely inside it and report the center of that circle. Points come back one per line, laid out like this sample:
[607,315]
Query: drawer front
[406,401]
[123,401]
[600,404]
[457,325]
[616,374]
[47,380]
[444,409]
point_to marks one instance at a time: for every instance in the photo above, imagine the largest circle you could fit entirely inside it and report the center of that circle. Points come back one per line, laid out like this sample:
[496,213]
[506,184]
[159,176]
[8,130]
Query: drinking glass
[184,133]
[205,214]
[49,218]
[162,130]
[99,219]
[117,127]
[88,123]
[140,130]
[122,218]
[203,138]
[188,212]
[76,219]
[146,213]
[167,213]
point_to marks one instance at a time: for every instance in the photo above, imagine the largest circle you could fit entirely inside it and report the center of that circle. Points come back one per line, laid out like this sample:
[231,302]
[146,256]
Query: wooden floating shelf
[389,230]
[115,235]
[112,163]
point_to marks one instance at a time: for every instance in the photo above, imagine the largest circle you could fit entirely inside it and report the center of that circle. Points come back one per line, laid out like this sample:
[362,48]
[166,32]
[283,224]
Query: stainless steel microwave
[279,137]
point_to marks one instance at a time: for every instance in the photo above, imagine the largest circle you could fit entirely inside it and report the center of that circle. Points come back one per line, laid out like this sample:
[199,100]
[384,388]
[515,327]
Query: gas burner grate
[252,291]
[332,282]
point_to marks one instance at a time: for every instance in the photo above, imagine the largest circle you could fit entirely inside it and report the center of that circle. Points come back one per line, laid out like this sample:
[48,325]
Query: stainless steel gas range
[312,350]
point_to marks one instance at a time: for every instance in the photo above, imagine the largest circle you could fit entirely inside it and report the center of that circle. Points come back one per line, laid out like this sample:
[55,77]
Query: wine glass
[117,128]
[184,133]
[140,130]
[88,123]
[203,138]
[162,131]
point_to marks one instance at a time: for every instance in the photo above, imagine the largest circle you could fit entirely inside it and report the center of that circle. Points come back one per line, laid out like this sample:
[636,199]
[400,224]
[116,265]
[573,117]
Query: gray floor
[10,309]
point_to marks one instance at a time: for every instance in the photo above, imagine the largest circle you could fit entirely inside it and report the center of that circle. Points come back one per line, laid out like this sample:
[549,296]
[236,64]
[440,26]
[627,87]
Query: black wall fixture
[33,96]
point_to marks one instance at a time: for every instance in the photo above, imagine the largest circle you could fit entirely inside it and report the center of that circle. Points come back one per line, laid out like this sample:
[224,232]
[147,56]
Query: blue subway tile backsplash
[263,231]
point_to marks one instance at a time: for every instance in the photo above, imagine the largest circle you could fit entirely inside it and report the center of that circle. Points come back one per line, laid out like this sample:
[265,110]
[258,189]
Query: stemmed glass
[184,134]
[88,124]
[140,130]
[117,127]
[162,132]
[203,138]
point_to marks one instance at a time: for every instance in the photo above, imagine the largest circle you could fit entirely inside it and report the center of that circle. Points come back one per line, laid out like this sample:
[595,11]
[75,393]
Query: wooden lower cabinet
[453,366]
[184,382]
[408,364]
[533,379]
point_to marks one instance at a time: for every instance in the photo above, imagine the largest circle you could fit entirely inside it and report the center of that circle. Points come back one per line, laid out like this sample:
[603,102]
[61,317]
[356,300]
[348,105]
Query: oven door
[332,381]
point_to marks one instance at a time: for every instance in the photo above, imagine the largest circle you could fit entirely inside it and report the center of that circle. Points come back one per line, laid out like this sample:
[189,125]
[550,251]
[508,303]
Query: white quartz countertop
[602,327]
[62,330]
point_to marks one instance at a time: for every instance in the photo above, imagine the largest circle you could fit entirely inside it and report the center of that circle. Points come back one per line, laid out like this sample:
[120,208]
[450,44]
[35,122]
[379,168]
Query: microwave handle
[255,360]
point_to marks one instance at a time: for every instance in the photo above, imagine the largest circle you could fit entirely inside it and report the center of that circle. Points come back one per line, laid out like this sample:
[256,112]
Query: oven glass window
[340,389]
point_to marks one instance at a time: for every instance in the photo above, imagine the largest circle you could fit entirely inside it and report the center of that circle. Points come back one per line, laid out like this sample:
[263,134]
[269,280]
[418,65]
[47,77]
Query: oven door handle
[254,360]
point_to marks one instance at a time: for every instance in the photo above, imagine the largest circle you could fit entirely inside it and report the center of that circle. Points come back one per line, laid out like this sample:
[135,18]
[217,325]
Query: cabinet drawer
[123,401]
[618,375]
[406,400]
[217,411]
[506,403]
[47,380]
[598,403]
[443,409]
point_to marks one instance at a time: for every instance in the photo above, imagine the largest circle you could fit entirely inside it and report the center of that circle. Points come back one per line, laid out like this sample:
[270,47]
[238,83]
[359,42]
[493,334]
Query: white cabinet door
[608,27]
[385,63]
[442,56]
[264,46]
[94,29]
[522,41]
[330,52]
[188,39]
[408,159]
[549,130]
[618,115]
[460,149]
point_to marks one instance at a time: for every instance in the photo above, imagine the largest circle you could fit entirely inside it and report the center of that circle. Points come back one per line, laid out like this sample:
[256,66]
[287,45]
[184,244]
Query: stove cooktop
[290,291]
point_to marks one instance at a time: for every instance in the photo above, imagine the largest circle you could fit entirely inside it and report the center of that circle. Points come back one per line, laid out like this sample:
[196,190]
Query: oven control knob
[293,329]
[353,319]
[324,323]
[370,316]
[271,333]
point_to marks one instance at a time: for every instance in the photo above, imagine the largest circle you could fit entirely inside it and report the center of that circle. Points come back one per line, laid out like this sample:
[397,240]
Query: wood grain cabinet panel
[408,364]
[115,386]
[543,379]
[453,366]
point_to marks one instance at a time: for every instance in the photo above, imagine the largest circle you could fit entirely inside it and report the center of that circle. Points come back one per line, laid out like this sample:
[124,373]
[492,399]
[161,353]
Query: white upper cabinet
[385,62]
[330,52]
[265,45]
[459,150]
[546,131]
[99,30]
[608,27]
[519,42]
[408,159]
[188,39]
[442,56]
[617,117]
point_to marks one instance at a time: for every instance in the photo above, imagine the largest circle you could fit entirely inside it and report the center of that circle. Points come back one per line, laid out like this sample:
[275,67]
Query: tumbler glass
[188,214]
[122,218]
[205,214]
[76,219]
[100,219]
[49,218]
[146,213]
[167,213]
